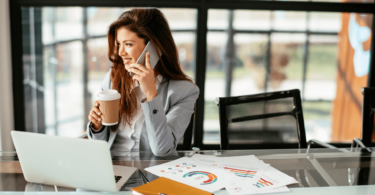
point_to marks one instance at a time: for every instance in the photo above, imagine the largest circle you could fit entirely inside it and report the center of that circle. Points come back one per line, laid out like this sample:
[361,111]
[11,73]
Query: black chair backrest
[185,142]
[368,110]
[262,121]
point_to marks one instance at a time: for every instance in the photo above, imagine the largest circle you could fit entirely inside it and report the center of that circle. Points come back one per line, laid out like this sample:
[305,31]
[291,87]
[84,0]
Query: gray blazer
[166,117]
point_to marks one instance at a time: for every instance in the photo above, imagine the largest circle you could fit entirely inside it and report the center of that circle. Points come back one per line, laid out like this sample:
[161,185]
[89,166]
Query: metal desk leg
[321,170]
[357,142]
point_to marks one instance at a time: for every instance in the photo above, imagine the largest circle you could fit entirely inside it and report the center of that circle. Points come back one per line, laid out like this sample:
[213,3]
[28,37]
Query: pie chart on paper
[208,178]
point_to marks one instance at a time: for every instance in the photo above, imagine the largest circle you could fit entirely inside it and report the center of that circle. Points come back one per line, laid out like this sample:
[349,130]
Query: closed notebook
[167,186]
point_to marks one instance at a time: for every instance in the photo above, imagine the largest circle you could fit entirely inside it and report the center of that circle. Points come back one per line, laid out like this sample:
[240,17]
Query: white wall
[6,92]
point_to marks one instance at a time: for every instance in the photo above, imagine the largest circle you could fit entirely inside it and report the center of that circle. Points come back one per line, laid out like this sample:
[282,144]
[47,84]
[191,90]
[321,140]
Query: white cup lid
[109,95]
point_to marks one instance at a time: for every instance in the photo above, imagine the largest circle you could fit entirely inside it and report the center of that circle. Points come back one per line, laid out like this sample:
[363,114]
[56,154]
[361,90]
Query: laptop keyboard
[117,178]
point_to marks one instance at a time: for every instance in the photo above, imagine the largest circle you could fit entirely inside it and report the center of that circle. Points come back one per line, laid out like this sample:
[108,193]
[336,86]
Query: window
[65,60]
[247,47]
[250,52]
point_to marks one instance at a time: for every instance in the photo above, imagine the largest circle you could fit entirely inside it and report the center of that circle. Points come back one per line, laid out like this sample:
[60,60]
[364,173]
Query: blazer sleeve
[103,133]
[164,130]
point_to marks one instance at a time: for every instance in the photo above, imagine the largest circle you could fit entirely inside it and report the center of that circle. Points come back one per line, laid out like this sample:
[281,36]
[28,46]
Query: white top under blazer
[128,136]
[166,118]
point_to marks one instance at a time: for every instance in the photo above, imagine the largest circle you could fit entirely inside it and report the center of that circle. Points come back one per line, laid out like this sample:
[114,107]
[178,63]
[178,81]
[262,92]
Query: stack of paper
[239,175]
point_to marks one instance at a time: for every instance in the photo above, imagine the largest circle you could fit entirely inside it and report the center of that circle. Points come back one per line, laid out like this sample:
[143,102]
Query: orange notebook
[167,186]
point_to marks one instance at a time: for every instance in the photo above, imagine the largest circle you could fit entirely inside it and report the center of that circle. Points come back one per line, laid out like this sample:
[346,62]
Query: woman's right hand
[95,116]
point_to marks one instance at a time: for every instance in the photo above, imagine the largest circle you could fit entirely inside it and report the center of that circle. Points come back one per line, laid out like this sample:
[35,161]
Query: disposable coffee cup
[109,104]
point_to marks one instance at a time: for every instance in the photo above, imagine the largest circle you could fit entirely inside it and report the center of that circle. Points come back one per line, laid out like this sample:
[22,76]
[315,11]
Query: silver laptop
[69,162]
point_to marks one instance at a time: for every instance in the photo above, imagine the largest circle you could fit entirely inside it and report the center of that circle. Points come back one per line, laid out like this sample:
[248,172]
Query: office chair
[262,121]
[360,176]
[368,110]
[368,130]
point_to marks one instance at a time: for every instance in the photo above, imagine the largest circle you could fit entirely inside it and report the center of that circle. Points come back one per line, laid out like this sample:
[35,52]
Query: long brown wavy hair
[149,24]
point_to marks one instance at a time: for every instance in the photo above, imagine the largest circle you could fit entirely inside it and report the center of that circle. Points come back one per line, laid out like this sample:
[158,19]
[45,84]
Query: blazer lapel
[143,142]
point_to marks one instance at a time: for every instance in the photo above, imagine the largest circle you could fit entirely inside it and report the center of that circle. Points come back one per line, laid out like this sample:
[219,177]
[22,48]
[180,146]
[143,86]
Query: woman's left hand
[146,78]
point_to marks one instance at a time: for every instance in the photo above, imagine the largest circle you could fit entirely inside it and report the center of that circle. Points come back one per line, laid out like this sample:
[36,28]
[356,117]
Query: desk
[333,169]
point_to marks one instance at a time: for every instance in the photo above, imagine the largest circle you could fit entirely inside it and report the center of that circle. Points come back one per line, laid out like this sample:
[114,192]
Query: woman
[154,114]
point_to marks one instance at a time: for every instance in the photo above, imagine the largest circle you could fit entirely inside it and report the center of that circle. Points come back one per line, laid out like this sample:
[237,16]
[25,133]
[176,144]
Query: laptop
[69,162]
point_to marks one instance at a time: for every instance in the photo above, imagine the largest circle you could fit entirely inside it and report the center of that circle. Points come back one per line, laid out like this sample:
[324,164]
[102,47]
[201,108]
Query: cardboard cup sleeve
[109,104]
[110,111]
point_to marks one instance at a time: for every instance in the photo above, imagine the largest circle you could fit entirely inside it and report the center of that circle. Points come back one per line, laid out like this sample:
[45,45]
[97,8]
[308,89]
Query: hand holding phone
[146,78]
[154,58]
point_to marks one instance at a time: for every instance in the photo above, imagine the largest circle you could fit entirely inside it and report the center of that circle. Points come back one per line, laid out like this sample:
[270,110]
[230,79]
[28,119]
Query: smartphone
[154,58]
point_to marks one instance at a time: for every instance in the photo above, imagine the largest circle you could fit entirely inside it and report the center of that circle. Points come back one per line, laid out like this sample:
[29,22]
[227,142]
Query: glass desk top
[315,169]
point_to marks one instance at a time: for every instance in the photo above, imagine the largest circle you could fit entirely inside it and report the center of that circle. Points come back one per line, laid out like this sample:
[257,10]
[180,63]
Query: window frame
[202,7]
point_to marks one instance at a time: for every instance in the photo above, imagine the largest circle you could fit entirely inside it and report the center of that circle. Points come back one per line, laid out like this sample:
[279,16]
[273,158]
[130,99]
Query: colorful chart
[211,177]
[263,183]
[172,168]
[241,173]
